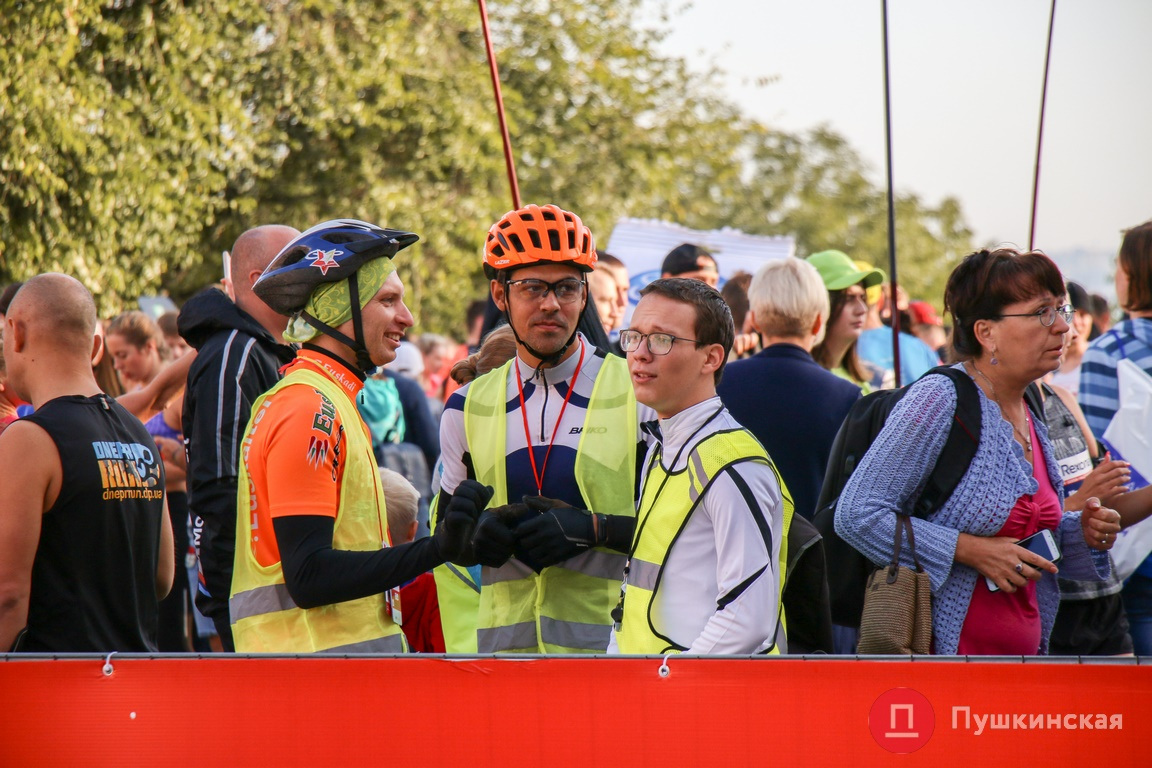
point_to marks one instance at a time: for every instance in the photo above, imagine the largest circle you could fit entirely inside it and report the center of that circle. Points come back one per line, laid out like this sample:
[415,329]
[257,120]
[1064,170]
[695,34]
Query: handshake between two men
[538,531]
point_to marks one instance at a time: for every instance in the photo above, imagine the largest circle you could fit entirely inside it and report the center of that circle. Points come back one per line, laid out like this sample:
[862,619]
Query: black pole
[1040,132]
[891,207]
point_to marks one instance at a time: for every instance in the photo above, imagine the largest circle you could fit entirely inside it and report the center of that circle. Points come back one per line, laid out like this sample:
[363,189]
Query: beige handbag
[897,618]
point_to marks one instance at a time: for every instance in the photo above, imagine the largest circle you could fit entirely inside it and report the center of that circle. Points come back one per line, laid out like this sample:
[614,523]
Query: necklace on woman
[1025,438]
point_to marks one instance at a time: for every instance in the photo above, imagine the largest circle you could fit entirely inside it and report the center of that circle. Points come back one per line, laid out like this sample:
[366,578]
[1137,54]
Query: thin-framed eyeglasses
[1047,315]
[658,343]
[567,291]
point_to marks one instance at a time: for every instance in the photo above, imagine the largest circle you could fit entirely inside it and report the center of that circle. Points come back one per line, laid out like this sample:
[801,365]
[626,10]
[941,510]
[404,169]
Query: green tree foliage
[815,187]
[114,136]
[380,111]
[138,139]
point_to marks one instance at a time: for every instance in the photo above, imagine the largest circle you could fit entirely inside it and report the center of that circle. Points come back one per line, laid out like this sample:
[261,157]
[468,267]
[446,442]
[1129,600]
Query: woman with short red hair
[989,596]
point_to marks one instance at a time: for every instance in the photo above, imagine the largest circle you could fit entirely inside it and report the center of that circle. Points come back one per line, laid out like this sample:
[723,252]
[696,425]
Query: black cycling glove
[454,533]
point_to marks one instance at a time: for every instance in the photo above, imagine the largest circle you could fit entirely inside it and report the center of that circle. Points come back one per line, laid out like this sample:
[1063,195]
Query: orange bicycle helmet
[538,233]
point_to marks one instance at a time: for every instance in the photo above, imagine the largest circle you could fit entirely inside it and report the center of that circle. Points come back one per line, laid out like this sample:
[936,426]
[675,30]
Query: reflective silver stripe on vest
[575,634]
[390,644]
[515,637]
[620,400]
[592,562]
[259,601]
[598,563]
[780,639]
[701,476]
[513,570]
[643,574]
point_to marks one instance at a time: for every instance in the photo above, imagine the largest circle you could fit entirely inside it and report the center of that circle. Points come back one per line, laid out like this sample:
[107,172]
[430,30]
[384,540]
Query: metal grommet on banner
[108,664]
[665,670]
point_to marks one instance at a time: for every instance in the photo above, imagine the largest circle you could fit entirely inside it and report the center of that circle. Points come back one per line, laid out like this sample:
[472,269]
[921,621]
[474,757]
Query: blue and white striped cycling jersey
[1099,388]
[544,393]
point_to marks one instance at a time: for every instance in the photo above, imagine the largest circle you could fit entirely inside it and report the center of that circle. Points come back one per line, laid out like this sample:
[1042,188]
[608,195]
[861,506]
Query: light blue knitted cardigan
[894,470]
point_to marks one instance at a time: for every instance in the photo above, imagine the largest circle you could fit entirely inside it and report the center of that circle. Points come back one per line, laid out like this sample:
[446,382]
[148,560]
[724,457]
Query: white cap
[409,362]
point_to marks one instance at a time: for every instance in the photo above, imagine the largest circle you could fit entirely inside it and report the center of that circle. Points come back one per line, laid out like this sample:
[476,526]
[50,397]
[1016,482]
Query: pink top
[1002,624]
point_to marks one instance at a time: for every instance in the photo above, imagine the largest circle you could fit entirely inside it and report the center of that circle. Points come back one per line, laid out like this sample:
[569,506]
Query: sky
[966,79]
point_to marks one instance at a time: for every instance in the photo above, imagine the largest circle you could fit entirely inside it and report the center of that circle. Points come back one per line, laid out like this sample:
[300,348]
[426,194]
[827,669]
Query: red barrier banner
[430,711]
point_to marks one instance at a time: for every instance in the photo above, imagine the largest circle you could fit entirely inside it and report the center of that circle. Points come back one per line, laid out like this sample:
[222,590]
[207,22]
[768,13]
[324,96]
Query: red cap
[923,313]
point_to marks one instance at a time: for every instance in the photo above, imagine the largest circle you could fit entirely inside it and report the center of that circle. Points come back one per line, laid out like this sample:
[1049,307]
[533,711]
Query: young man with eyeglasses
[706,564]
[555,433]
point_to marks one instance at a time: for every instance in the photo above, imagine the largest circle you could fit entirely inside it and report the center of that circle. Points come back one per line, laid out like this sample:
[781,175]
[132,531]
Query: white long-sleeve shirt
[721,548]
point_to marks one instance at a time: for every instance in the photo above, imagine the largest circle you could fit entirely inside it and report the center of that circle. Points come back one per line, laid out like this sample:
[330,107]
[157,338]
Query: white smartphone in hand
[1042,543]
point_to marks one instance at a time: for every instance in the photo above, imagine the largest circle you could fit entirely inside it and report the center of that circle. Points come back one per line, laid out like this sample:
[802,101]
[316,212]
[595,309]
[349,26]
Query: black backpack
[807,608]
[848,570]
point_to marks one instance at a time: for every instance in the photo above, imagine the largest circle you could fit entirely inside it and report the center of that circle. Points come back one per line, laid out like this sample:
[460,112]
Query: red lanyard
[539,476]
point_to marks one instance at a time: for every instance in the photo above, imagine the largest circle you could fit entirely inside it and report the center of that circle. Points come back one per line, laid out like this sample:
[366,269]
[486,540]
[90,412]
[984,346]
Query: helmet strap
[363,359]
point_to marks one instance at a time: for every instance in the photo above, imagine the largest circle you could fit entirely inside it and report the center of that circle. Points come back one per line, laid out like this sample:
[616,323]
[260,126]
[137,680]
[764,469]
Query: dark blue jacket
[794,408]
[238,361]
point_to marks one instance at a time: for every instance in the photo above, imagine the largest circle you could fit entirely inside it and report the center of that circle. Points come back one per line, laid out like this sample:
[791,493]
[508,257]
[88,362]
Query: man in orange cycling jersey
[314,569]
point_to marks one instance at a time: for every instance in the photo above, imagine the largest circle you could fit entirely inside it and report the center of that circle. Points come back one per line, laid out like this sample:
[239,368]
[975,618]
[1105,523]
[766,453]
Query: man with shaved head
[241,349]
[85,545]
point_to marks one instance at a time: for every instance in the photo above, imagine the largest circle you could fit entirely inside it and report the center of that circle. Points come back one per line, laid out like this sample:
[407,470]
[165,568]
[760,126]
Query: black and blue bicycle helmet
[327,253]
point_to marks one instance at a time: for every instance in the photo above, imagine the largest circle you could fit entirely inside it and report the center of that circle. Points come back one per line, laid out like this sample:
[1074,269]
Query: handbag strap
[903,522]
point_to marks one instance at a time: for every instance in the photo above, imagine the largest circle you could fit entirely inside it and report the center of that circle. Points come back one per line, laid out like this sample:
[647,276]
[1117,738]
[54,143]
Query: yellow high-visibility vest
[666,502]
[264,617]
[458,595]
[566,608]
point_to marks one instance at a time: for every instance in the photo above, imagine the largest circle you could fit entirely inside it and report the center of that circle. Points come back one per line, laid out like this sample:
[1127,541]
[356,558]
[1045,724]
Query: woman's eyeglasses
[1047,315]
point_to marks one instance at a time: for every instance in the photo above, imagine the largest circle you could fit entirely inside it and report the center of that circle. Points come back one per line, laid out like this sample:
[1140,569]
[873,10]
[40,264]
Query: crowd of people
[598,467]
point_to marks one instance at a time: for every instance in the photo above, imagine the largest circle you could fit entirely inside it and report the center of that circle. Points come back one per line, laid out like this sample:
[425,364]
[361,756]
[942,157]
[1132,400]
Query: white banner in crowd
[1129,438]
[642,245]
[156,306]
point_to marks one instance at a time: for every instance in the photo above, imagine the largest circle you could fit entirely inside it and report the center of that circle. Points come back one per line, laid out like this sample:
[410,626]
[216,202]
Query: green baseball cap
[838,271]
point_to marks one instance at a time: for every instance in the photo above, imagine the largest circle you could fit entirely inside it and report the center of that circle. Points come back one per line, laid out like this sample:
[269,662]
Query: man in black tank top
[85,544]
